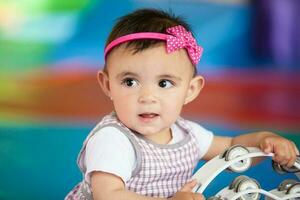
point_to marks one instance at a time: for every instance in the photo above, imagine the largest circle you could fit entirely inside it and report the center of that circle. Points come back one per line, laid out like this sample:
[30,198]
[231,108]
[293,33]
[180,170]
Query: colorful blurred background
[51,50]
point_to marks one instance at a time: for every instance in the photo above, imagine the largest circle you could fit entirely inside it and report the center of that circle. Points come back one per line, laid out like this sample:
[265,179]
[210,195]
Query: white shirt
[109,150]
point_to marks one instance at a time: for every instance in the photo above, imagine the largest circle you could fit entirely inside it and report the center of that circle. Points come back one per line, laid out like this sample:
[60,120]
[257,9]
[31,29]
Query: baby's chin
[150,132]
[146,131]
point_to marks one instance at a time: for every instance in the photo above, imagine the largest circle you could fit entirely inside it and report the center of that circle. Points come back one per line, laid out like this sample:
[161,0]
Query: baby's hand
[186,192]
[285,151]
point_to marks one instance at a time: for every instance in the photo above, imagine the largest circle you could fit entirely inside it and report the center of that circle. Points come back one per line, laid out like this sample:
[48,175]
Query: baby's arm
[108,186]
[285,150]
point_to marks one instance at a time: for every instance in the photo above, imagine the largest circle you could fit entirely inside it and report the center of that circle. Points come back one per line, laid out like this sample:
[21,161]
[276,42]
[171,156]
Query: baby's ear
[196,84]
[104,82]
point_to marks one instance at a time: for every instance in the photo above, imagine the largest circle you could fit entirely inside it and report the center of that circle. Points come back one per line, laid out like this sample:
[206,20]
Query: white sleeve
[204,137]
[109,150]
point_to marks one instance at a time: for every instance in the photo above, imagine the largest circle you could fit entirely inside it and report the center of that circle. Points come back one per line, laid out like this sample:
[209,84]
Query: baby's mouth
[148,115]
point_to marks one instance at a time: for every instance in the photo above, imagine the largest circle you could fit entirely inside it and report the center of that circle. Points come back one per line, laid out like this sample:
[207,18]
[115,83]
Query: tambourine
[239,159]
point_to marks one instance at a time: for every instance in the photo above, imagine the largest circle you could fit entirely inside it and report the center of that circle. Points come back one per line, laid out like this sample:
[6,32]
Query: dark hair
[145,20]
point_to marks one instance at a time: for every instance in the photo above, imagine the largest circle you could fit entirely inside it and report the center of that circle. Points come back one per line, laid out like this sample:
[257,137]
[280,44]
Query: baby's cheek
[172,110]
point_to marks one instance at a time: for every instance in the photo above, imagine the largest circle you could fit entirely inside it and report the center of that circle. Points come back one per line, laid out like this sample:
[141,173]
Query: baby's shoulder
[195,126]
[109,134]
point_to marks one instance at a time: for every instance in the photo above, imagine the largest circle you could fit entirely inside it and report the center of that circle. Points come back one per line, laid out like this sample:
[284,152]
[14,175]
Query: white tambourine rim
[216,165]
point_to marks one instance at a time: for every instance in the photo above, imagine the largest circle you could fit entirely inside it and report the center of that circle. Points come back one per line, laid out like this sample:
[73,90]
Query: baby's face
[149,88]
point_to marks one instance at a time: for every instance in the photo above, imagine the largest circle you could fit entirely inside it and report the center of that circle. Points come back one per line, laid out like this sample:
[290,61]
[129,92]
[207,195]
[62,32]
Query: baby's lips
[148,115]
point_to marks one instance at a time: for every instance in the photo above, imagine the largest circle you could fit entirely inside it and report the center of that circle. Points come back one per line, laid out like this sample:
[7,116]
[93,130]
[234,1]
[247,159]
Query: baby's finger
[293,155]
[266,146]
[282,162]
[198,196]
[189,186]
[282,155]
[291,162]
[289,156]
[295,148]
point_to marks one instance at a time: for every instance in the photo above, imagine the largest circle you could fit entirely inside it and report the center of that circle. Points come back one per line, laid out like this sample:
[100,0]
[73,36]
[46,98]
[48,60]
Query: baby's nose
[147,95]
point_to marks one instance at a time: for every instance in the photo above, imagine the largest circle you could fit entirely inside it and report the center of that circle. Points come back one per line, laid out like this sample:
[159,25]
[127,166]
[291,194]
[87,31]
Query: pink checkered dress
[161,169]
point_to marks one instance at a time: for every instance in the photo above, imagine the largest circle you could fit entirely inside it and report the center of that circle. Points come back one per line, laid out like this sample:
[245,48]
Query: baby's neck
[164,137]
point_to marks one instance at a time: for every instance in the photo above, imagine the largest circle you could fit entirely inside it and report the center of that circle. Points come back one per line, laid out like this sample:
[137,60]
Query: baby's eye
[129,82]
[165,84]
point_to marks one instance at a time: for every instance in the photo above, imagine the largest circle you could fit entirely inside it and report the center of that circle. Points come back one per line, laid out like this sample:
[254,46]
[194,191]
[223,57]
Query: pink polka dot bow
[181,38]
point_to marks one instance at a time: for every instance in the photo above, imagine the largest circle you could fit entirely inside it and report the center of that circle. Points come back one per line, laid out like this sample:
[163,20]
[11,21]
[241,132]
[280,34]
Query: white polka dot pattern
[181,38]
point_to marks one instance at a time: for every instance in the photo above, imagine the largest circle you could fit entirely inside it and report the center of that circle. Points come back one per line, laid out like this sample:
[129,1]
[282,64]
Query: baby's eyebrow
[168,76]
[126,73]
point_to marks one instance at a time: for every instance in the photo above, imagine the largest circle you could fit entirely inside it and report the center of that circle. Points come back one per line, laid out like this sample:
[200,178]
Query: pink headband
[179,38]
